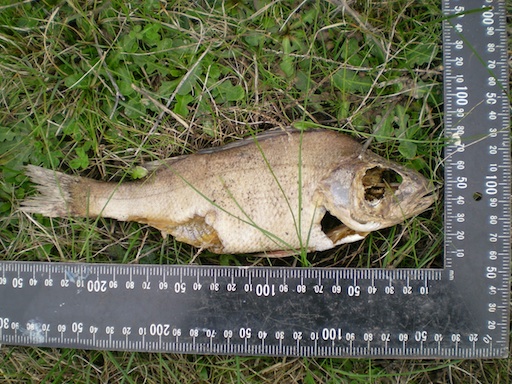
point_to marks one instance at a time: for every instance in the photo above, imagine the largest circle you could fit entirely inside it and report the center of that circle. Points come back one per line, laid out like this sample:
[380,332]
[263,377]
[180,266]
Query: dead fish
[275,192]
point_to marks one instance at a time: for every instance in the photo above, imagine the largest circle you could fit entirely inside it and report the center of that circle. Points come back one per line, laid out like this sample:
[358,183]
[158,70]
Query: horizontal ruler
[197,309]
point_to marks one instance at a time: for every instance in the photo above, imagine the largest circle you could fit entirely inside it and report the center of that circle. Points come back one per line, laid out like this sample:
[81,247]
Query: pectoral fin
[196,231]
[343,234]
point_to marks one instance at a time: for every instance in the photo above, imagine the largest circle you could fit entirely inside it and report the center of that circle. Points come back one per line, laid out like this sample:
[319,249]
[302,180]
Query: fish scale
[459,311]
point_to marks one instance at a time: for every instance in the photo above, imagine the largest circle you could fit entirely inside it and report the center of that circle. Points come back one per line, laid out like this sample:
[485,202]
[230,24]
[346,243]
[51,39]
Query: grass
[95,88]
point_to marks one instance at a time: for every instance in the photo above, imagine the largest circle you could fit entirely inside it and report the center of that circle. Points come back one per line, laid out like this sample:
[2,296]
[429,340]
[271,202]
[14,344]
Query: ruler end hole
[477,196]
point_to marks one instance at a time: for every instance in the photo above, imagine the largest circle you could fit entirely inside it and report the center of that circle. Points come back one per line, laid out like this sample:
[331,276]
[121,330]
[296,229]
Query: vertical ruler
[477,166]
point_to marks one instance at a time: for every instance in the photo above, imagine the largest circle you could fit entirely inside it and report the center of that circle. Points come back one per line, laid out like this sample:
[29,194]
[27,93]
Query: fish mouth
[428,197]
[420,200]
[430,194]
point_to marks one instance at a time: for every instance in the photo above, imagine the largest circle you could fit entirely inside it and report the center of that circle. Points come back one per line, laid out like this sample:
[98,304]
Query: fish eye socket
[377,181]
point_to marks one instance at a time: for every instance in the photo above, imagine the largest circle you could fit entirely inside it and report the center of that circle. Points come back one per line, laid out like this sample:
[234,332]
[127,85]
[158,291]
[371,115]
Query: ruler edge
[506,138]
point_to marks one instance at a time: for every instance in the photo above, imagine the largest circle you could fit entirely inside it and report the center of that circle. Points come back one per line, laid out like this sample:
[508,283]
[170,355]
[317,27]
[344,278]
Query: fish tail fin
[62,195]
[55,193]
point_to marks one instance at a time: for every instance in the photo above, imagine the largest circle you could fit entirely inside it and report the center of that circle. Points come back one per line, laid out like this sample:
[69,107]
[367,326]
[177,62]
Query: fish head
[371,193]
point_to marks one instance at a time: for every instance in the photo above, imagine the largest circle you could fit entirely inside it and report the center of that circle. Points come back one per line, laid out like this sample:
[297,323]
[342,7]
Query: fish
[280,192]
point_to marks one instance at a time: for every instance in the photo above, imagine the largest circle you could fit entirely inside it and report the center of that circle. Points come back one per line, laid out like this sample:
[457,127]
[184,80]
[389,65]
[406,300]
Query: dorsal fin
[152,166]
[272,133]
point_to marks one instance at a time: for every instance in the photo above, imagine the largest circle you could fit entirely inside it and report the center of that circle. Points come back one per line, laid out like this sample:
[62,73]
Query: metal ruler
[460,311]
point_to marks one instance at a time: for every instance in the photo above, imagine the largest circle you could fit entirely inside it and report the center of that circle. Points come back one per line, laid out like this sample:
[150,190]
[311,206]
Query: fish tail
[61,195]
[55,193]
